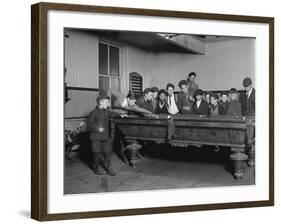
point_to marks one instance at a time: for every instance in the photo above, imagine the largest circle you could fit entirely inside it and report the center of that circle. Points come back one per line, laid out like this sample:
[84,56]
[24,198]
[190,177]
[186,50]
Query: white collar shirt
[173,109]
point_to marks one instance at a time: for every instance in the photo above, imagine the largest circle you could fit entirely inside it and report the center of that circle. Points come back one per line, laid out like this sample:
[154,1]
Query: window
[109,66]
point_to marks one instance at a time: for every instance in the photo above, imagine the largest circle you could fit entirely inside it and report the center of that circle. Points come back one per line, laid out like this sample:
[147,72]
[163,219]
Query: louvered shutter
[136,83]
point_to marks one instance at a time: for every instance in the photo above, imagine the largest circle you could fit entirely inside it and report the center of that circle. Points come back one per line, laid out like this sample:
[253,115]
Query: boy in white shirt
[172,99]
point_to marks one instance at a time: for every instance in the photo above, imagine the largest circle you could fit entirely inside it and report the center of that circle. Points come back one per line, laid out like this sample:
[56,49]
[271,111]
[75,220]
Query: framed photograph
[138,111]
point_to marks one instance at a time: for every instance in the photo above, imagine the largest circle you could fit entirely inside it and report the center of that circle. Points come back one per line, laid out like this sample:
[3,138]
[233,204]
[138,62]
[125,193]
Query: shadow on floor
[165,152]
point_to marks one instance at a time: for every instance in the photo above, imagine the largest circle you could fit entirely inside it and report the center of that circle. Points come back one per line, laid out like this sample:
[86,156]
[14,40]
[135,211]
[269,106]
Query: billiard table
[227,132]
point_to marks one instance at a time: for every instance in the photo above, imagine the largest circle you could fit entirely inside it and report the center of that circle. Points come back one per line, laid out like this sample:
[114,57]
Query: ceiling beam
[185,41]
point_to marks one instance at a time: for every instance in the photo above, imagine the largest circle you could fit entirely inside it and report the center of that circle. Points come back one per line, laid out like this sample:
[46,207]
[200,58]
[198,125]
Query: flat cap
[131,95]
[232,91]
[182,82]
[208,93]
[154,89]
[102,97]
[170,85]
[192,73]
[198,92]
[214,95]
[162,91]
[147,90]
[224,93]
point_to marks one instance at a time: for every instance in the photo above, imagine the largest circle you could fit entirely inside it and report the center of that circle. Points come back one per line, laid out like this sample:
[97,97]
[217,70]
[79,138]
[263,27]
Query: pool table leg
[133,149]
[238,157]
[123,153]
[251,154]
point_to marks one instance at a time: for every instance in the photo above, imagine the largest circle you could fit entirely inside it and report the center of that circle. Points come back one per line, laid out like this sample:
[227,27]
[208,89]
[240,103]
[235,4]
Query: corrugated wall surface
[139,61]
[168,68]
[81,59]
[225,64]
[81,56]
[81,103]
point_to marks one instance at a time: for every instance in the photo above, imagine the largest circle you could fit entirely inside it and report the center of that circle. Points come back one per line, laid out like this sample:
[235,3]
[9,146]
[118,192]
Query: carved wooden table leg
[123,153]
[251,154]
[133,149]
[238,157]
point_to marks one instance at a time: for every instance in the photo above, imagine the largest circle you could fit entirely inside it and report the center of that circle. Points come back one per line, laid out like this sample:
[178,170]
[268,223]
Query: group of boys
[191,100]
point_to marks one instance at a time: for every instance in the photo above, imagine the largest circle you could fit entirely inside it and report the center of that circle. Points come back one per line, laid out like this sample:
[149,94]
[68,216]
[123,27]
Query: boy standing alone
[98,125]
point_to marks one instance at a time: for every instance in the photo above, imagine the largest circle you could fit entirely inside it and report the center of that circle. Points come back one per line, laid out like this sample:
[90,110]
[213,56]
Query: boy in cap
[234,107]
[155,91]
[207,97]
[184,103]
[145,101]
[248,98]
[191,85]
[200,106]
[118,100]
[162,105]
[98,125]
[214,106]
[223,104]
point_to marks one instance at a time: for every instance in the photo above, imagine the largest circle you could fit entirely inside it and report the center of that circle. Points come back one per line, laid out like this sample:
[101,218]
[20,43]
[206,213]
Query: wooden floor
[162,168]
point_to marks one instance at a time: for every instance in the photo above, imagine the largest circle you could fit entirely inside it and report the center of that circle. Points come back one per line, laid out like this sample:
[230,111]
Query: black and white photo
[150,111]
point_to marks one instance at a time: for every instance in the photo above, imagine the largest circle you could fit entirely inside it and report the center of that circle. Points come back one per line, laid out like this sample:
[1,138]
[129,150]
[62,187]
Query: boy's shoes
[108,168]
[99,171]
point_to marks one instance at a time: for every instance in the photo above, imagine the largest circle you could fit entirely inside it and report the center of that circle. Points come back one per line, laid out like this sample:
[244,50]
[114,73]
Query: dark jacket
[183,101]
[223,108]
[143,103]
[99,118]
[161,110]
[248,103]
[193,87]
[234,108]
[154,103]
[202,110]
[214,110]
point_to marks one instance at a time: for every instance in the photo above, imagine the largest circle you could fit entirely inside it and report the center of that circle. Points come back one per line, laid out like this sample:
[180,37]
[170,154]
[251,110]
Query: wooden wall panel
[81,59]
[225,64]
[81,103]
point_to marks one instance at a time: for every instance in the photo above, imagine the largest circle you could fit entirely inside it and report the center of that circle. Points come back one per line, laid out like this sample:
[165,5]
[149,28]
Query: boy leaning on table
[101,145]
